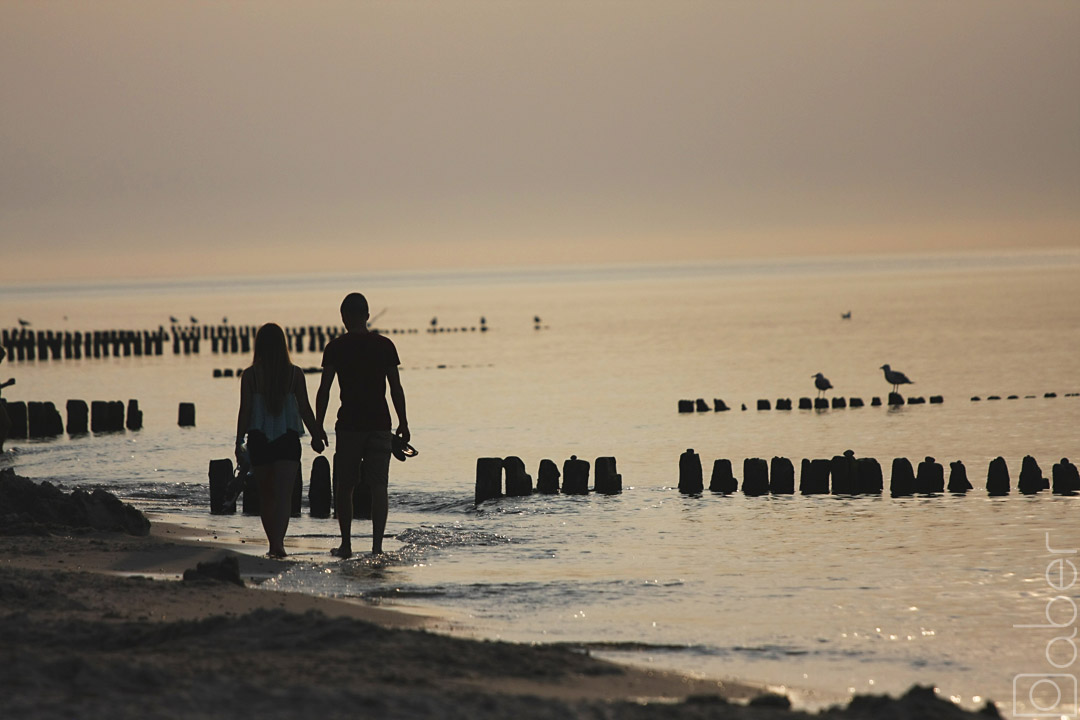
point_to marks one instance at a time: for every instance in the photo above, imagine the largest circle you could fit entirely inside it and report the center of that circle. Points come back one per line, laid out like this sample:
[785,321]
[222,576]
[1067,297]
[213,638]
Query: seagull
[845,316]
[895,377]
[821,383]
[194,320]
[173,319]
[24,323]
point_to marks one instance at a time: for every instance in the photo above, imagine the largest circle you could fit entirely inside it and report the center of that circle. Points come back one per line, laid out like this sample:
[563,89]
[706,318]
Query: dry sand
[91,628]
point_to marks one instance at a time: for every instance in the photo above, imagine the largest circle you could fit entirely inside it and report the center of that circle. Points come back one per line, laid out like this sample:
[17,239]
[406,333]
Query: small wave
[443,537]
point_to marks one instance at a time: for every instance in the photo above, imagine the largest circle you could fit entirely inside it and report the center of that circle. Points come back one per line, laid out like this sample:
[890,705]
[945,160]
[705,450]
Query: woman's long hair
[272,365]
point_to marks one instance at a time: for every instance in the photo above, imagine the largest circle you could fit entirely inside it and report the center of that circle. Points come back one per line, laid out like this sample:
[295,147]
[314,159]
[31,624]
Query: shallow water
[827,593]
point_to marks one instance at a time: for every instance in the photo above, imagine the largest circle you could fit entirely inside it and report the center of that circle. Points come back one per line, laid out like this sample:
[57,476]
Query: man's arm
[397,395]
[322,397]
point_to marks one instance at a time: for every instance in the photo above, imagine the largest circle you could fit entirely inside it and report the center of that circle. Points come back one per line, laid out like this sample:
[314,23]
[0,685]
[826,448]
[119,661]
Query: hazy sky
[169,138]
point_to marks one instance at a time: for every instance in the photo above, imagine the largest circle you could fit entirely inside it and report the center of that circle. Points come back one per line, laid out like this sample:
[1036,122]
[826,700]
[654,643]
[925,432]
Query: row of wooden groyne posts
[43,420]
[26,345]
[805,403]
[849,475]
[841,475]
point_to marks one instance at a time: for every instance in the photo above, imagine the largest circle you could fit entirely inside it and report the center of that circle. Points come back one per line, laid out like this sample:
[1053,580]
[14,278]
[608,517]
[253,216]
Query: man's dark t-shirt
[361,361]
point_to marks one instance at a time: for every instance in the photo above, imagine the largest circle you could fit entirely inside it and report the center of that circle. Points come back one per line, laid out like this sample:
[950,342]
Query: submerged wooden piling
[903,478]
[868,477]
[997,477]
[781,476]
[547,477]
[575,476]
[755,477]
[1066,478]
[958,479]
[722,481]
[844,472]
[134,415]
[930,479]
[220,475]
[319,494]
[518,482]
[488,479]
[187,414]
[690,479]
[607,480]
[19,420]
[1031,479]
[814,477]
[78,414]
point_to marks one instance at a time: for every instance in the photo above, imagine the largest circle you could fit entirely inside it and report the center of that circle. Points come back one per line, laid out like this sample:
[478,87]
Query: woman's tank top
[271,425]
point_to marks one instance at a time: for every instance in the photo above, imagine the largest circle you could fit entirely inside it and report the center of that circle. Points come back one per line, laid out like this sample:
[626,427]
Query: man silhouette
[364,363]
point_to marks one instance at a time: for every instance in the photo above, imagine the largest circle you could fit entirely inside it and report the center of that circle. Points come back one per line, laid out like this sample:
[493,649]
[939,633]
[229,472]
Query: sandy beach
[98,623]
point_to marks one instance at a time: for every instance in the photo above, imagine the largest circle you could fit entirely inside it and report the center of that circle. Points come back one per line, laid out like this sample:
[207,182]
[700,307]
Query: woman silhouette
[273,403]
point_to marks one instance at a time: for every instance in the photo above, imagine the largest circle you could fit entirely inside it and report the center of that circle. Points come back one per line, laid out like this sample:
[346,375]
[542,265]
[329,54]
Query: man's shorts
[363,455]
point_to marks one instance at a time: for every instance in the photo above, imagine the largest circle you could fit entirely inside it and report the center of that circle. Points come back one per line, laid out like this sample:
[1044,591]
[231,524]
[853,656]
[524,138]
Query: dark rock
[690,475]
[958,479]
[755,477]
[903,478]
[547,478]
[997,477]
[781,476]
[226,570]
[26,503]
[722,480]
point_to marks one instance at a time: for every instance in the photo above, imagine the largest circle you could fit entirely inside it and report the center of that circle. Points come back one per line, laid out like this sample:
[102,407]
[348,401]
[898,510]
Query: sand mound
[29,508]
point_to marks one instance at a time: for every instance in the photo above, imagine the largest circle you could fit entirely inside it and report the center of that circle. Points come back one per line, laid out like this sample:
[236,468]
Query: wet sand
[99,625]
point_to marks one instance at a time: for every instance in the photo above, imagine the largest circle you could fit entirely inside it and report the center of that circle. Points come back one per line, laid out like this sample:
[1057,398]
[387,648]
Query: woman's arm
[318,435]
[243,416]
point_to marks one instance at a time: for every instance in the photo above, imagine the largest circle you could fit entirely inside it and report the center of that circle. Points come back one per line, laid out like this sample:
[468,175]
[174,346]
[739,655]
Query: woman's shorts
[264,452]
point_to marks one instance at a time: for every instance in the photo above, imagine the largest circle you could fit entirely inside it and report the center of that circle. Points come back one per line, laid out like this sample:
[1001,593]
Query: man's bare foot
[278,554]
[344,551]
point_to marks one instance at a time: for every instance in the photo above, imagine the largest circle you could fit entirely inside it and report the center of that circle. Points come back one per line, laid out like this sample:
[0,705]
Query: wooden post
[608,481]
[755,477]
[488,479]
[187,414]
[958,480]
[78,414]
[843,470]
[220,475]
[930,479]
[575,476]
[814,479]
[903,478]
[1066,478]
[319,500]
[1031,479]
[690,478]
[868,478]
[781,476]
[722,480]
[547,477]
[997,477]
[518,482]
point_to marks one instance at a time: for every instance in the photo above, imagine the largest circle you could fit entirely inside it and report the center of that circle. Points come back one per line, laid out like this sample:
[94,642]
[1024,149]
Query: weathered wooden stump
[806,403]
[997,477]
[855,402]
[764,405]
[518,482]
[821,404]
[700,405]
[783,403]
[843,471]
[958,479]
[1031,479]
[916,401]
[488,479]
[936,399]
[839,403]
[78,414]
[875,401]
[547,477]
[607,481]
[719,405]
[134,415]
[896,399]
[930,479]
[868,477]
[187,414]
[690,476]
[1066,478]
[116,416]
[575,476]
[722,481]
[903,478]
[781,476]
[686,406]
[221,475]
[755,477]
[814,477]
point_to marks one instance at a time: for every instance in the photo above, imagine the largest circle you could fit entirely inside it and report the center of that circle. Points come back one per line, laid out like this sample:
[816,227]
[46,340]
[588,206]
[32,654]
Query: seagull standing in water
[821,383]
[895,377]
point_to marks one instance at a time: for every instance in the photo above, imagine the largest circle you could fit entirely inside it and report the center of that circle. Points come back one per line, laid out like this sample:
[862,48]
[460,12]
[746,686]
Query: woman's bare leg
[264,476]
[284,478]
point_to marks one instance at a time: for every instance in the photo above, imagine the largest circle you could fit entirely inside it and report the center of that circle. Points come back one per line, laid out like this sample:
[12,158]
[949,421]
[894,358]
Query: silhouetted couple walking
[274,407]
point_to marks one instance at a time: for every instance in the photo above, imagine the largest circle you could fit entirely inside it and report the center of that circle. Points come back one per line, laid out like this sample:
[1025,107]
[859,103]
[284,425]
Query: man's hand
[403,432]
[319,440]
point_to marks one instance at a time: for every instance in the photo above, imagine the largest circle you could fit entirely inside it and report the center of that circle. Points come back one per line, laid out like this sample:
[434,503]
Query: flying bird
[24,323]
[895,378]
[821,383]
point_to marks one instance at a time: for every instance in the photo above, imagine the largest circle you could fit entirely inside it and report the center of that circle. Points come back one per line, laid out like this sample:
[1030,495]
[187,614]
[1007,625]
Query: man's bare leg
[343,506]
[380,504]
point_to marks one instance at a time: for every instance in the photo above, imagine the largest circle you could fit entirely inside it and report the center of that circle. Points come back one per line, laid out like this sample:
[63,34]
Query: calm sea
[824,595]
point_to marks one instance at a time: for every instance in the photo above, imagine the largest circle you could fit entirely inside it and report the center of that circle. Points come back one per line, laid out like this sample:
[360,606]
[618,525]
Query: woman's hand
[319,440]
